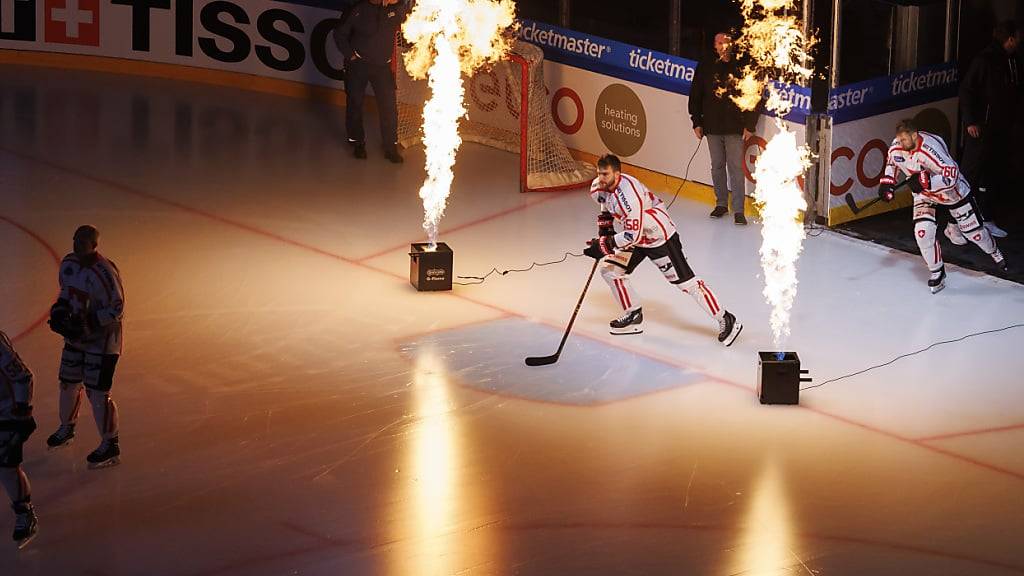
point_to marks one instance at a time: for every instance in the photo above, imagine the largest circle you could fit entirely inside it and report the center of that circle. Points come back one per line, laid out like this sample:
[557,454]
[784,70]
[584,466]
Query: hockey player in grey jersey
[16,425]
[935,180]
[88,314]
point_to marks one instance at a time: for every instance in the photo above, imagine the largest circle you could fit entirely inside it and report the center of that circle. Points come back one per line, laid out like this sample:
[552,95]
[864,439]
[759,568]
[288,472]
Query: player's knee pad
[966,216]
[924,211]
[611,270]
[667,268]
[924,233]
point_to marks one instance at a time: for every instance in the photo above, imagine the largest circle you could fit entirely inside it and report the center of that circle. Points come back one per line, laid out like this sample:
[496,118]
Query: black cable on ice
[902,356]
[686,174]
[481,279]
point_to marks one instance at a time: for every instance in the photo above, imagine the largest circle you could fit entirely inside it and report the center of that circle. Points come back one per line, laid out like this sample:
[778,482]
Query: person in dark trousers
[366,37]
[717,117]
[990,102]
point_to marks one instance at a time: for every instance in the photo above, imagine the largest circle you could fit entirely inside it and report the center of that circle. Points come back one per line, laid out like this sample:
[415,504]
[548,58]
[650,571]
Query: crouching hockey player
[646,231]
[16,425]
[935,179]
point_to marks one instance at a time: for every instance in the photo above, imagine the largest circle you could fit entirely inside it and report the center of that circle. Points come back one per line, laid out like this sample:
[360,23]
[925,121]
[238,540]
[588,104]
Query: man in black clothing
[366,37]
[715,115]
[990,100]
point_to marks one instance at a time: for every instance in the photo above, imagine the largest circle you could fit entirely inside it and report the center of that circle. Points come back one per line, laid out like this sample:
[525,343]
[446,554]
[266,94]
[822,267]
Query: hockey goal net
[496,99]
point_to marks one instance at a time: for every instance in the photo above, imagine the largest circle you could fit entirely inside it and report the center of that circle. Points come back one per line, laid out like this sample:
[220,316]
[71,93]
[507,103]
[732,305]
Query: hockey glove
[605,224]
[920,182]
[598,248]
[887,190]
[64,322]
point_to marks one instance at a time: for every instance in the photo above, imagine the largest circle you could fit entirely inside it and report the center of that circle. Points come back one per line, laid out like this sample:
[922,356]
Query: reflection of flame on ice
[450,38]
[774,44]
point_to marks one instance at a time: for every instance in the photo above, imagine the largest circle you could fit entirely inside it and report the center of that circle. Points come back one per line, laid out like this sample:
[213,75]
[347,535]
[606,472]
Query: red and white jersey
[640,215]
[94,290]
[15,379]
[930,162]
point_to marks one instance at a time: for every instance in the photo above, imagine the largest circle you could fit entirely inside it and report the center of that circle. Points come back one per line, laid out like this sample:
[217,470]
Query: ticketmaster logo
[914,81]
[555,39]
[665,66]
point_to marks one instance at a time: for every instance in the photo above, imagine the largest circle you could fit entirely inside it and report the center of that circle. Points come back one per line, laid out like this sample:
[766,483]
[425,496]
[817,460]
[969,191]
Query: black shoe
[719,211]
[26,525]
[739,219]
[728,329]
[631,322]
[394,156]
[108,454]
[359,151]
[63,437]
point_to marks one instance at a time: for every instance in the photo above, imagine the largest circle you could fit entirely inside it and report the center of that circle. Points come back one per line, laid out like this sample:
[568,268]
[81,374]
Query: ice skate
[938,280]
[26,525]
[1000,260]
[729,329]
[108,454]
[629,323]
[62,438]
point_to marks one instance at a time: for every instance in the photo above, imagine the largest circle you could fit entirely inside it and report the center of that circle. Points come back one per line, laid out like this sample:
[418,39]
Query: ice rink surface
[291,405]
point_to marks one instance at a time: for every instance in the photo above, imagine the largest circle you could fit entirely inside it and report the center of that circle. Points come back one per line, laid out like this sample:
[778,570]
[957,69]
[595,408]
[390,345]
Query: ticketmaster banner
[883,95]
[632,63]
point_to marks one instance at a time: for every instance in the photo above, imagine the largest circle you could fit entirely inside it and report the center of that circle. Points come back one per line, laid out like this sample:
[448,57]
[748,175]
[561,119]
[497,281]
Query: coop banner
[865,116]
[289,41]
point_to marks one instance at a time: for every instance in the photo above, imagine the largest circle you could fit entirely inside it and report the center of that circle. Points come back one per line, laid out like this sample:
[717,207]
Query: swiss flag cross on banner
[72,21]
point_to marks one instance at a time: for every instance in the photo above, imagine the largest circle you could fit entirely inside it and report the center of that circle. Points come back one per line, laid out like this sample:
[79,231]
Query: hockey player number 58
[632,224]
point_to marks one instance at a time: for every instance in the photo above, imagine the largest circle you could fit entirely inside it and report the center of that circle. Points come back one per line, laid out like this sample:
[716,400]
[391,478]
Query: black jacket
[369,30]
[991,92]
[718,114]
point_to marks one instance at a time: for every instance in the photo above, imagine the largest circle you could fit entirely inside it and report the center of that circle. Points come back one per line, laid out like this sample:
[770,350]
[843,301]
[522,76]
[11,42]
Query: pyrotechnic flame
[777,50]
[450,38]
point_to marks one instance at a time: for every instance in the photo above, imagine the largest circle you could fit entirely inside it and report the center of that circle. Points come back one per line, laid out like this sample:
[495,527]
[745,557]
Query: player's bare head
[723,45]
[1007,35]
[87,238]
[906,134]
[608,168]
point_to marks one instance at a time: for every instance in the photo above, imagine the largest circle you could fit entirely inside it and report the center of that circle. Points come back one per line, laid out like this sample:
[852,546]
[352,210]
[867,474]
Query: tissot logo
[18,20]
[72,21]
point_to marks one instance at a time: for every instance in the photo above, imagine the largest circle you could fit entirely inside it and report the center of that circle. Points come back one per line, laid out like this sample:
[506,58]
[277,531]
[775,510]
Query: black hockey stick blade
[542,360]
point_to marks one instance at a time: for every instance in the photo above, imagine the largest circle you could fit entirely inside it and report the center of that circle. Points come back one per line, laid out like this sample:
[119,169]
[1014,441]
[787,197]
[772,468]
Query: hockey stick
[546,360]
[857,210]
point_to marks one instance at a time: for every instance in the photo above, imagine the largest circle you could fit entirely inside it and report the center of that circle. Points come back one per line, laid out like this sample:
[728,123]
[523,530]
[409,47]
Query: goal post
[507,108]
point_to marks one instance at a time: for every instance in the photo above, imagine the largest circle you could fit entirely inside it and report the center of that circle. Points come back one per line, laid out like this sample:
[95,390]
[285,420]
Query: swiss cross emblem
[920,233]
[977,237]
[72,21]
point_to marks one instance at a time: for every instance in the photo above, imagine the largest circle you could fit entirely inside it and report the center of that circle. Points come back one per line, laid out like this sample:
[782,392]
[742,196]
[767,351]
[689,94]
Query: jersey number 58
[632,224]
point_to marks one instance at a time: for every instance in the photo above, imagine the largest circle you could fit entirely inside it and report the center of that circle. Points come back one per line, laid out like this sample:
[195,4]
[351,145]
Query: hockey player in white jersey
[88,314]
[645,230]
[935,180]
[16,425]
